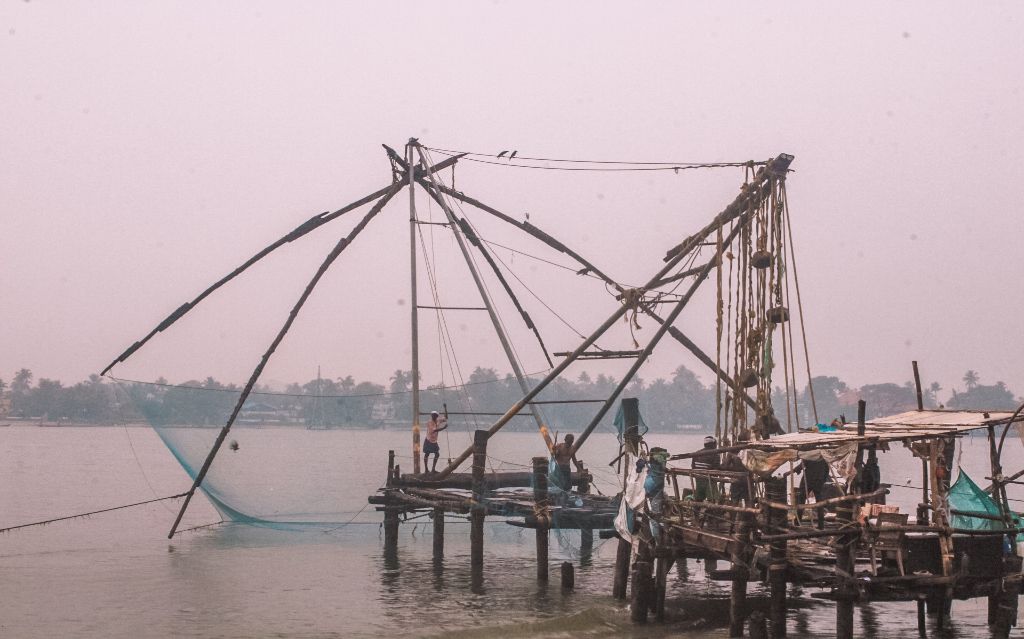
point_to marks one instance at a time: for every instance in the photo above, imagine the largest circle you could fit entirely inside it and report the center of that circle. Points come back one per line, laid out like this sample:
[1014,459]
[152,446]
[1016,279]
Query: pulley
[777,314]
[761,259]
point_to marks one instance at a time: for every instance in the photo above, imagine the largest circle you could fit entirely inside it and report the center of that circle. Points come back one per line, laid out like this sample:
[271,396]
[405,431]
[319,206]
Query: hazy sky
[148,148]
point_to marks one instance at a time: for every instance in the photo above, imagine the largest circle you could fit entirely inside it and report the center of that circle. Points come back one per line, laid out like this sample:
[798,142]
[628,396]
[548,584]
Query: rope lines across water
[94,512]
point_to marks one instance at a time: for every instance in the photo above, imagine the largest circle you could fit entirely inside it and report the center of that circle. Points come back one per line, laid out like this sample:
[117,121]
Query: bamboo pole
[301,230]
[333,255]
[414,310]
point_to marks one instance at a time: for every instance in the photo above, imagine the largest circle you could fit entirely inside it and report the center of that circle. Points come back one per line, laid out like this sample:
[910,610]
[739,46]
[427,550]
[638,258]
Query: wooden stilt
[476,516]
[622,557]
[922,622]
[639,595]
[438,534]
[540,498]
[391,530]
[738,595]
[845,557]
[661,566]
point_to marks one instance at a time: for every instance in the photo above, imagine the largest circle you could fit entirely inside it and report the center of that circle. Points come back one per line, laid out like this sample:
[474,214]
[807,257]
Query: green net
[966,496]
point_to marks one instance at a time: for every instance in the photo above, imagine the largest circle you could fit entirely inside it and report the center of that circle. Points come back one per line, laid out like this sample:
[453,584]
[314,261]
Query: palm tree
[971,378]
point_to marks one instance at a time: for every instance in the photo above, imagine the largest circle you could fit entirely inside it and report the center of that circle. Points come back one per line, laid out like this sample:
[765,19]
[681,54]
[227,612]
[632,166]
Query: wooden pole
[623,554]
[568,576]
[738,595]
[586,534]
[922,622]
[391,468]
[758,625]
[414,309]
[391,514]
[917,383]
[661,566]
[847,547]
[476,516]
[438,534]
[777,563]
[540,499]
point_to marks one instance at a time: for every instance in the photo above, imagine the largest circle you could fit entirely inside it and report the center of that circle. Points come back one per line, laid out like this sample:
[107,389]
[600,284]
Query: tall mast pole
[415,318]
[524,386]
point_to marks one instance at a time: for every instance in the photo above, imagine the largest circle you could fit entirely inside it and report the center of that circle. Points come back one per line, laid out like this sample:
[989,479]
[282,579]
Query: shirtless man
[563,455]
[431,447]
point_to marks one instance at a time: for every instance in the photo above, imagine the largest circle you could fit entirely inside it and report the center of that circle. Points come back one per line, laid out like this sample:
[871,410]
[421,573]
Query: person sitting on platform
[431,447]
[563,454]
[705,489]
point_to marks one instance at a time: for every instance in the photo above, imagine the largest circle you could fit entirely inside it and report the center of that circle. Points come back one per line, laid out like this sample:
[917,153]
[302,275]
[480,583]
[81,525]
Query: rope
[658,165]
[94,512]
[799,303]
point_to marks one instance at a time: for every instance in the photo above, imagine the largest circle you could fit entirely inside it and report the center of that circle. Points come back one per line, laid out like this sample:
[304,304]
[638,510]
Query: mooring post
[540,500]
[568,576]
[391,514]
[622,556]
[738,595]
[922,623]
[391,468]
[438,534]
[476,516]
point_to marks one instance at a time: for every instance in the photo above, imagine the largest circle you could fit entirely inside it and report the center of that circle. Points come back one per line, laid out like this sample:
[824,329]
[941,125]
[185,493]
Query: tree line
[666,404]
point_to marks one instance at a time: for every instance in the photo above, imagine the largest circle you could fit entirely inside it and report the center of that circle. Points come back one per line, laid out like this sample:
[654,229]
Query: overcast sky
[146,149]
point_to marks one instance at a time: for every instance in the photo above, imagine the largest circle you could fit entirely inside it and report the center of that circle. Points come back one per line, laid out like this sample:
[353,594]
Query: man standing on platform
[431,447]
[563,454]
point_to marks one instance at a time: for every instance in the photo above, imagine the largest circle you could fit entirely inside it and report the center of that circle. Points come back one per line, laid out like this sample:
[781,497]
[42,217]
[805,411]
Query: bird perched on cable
[502,154]
[512,155]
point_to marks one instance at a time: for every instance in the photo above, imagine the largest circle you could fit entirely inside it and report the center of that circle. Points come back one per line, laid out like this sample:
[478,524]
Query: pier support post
[738,595]
[391,514]
[476,516]
[776,491]
[438,534]
[845,558]
[622,557]
[922,623]
[661,566]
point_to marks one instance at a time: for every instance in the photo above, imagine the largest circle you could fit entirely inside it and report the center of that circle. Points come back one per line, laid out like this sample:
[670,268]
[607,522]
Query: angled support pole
[702,356]
[306,227]
[333,255]
[532,230]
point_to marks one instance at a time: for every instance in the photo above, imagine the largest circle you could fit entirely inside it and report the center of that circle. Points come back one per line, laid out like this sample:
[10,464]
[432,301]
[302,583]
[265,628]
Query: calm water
[116,574]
